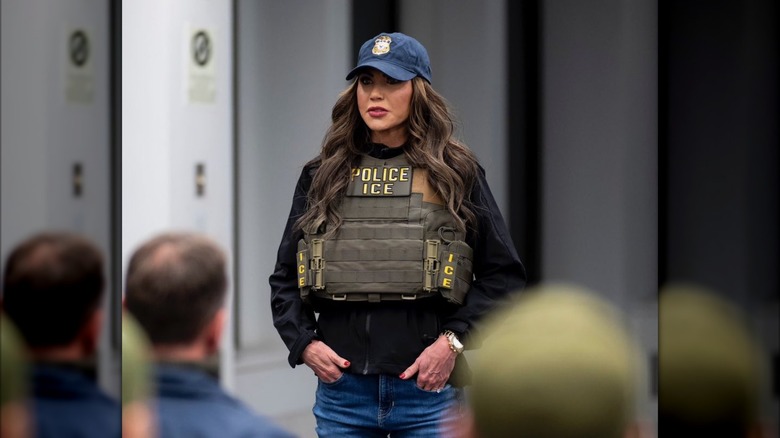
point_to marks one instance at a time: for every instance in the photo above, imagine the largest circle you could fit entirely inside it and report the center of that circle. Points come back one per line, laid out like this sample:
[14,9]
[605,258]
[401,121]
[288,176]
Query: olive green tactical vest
[397,241]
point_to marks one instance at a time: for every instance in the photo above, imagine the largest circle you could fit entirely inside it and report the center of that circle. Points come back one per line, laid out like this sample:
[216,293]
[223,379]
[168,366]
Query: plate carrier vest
[397,241]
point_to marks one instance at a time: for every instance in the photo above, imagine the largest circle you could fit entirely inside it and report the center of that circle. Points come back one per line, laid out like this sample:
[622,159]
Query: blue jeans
[377,405]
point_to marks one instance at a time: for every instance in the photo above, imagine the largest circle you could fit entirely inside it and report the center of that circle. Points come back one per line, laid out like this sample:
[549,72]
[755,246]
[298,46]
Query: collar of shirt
[378,150]
[63,381]
[183,381]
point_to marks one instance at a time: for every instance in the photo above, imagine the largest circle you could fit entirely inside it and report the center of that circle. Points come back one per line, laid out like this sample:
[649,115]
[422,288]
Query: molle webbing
[389,247]
[395,208]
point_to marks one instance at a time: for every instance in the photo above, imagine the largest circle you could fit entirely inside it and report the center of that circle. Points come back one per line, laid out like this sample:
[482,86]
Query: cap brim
[392,70]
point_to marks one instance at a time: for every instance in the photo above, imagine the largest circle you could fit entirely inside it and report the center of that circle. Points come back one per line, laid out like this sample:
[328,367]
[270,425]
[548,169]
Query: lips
[377,111]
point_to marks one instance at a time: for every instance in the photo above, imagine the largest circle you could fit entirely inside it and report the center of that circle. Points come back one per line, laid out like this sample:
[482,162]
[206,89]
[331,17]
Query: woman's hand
[325,363]
[433,367]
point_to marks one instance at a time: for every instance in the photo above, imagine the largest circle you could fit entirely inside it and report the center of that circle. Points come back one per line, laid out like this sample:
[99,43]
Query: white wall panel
[165,133]
[25,119]
[146,122]
[46,131]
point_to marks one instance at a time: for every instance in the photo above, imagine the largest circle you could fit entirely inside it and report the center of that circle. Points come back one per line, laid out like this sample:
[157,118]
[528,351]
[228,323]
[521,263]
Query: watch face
[455,343]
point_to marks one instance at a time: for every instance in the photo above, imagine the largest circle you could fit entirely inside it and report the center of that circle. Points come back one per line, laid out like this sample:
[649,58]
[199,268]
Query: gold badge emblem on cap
[381,45]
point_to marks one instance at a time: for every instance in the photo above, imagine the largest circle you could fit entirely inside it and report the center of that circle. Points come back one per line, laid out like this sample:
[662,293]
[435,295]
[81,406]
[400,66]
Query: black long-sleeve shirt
[387,337]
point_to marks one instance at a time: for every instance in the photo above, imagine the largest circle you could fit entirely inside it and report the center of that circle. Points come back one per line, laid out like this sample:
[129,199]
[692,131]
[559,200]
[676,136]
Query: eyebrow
[368,74]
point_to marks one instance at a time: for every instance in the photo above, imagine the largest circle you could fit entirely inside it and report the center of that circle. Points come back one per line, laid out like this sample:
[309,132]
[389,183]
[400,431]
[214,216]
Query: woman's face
[384,104]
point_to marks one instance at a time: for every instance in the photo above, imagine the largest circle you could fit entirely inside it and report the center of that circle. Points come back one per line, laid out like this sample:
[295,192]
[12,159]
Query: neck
[392,138]
[181,353]
[67,353]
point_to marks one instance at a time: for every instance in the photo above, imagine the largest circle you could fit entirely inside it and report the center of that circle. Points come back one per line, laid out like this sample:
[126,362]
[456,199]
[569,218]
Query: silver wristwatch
[455,344]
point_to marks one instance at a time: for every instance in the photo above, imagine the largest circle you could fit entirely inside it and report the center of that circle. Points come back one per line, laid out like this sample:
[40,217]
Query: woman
[394,238]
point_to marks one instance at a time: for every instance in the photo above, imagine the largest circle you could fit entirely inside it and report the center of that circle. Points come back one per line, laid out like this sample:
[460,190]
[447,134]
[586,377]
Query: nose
[376,93]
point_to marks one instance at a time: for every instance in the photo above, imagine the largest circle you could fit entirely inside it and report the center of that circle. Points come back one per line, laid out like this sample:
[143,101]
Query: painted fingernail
[402,375]
[346,363]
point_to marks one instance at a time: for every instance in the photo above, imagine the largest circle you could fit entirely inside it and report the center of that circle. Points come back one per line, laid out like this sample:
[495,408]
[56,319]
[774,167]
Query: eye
[365,80]
[392,81]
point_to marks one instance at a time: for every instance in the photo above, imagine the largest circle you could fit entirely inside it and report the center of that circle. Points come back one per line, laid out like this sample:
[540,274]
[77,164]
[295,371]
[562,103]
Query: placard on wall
[201,65]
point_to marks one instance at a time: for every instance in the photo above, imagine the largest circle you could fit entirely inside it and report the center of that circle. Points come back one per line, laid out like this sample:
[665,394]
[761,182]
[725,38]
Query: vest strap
[317,264]
[431,265]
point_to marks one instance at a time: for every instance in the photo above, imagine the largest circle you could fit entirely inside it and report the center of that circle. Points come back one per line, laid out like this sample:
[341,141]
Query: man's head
[52,287]
[557,363]
[710,367]
[176,287]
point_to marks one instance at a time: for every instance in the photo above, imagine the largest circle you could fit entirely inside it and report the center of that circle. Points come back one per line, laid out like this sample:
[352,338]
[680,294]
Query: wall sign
[202,82]
[80,75]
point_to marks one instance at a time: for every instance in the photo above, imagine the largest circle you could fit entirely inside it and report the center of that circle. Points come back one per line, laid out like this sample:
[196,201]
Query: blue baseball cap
[397,55]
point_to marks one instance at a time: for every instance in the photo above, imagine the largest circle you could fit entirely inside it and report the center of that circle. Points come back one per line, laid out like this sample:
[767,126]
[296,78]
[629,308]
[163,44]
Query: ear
[213,333]
[90,332]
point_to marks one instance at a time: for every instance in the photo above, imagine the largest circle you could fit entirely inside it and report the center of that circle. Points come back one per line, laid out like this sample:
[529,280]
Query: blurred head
[14,408]
[709,376]
[176,285]
[556,363]
[52,289]
[137,416]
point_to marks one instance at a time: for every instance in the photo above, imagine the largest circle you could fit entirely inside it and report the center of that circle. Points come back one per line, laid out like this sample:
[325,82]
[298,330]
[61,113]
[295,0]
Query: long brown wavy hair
[431,145]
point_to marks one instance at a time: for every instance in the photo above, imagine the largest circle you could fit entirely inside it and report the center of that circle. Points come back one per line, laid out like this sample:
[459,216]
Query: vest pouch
[302,258]
[455,271]
[309,267]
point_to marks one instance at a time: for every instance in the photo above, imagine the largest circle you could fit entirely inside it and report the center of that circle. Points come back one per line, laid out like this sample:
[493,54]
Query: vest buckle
[431,265]
[317,264]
